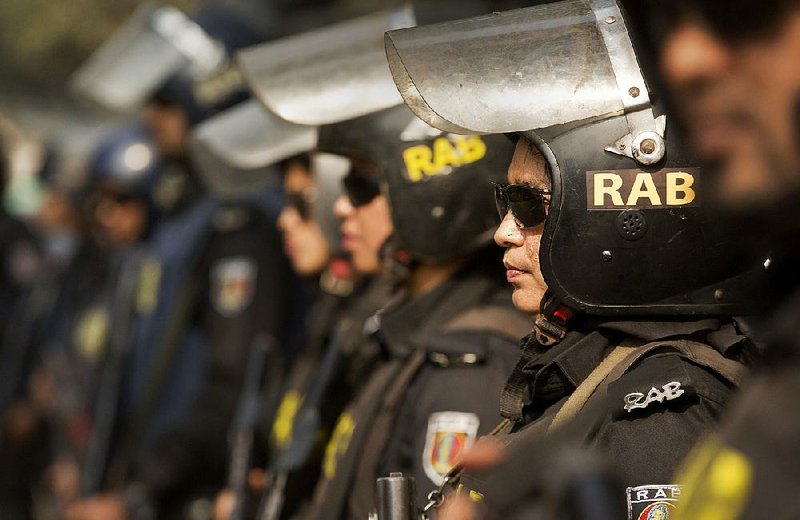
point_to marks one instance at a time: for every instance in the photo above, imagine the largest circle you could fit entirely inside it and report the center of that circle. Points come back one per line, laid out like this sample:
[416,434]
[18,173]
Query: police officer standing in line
[249,139]
[337,356]
[440,333]
[733,73]
[216,281]
[600,182]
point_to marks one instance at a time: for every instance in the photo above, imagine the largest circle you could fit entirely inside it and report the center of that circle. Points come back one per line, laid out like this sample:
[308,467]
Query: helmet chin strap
[550,326]
[397,261]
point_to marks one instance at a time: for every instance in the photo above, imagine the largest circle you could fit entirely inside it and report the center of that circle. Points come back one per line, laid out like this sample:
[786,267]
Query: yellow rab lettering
[601,189]
[684,187]
[418,161]
[445,152]
[644,186]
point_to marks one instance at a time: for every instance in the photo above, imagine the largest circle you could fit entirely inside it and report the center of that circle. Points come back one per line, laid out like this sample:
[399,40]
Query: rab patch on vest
[449,435]
[667,392]
[233,283]
[652,502]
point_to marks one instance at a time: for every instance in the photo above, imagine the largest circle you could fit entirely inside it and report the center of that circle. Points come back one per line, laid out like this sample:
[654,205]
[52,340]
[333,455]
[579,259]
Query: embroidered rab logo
[449,435]
[233,284]
[652,502]
[668,392]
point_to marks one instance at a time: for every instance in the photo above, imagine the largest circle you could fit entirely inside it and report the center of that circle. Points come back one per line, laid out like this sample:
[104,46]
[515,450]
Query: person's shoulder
[666,380]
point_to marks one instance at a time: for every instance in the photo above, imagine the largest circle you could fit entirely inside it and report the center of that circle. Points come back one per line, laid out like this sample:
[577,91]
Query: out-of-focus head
[123,174]
[733,76]
[328,76]
[303,239]
[364,212]
[626,202]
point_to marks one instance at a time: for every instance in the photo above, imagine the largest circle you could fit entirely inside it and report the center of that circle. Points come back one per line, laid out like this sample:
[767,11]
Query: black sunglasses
[528,205]
[360,189]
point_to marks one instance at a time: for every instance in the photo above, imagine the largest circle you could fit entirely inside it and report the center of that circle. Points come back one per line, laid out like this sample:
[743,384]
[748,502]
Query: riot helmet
[627,232]
[161,55]
[124,169]
[438,185]
[127,161]
[239,152]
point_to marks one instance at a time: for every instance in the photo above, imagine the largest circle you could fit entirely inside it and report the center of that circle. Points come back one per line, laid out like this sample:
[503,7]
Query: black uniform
[756,446]
[431,392]
[320,384]
[643,417]
[243,293]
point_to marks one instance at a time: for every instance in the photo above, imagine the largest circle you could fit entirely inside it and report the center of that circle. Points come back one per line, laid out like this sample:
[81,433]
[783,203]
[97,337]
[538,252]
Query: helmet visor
[328,75]
[153,45]
[552,65]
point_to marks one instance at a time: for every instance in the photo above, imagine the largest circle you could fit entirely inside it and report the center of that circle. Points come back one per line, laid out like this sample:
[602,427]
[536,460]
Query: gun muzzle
[395,496]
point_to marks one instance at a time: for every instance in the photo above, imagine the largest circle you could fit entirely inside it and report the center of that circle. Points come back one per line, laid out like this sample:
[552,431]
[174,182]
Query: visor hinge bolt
[634,92]
[719,295]
[611,19]
[648,146]
[607,256]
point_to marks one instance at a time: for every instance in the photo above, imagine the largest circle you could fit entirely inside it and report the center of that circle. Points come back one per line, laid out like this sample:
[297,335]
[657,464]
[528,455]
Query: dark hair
[303,159]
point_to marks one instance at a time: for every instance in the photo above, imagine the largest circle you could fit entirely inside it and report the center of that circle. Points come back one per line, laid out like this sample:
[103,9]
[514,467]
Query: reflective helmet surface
[439,185]
[161,54]
[126,160]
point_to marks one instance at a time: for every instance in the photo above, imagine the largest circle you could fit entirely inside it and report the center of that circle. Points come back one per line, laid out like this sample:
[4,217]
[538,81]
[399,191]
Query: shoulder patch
[655,383]
[667,392]
[149,285]
[338,444]
[283,425]
[91,334]
[449,435]
[652,502]
[233,283]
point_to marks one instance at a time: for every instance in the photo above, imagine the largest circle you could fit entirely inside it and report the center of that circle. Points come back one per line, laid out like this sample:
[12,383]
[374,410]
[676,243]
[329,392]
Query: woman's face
[365,228]
[303,240]
[521,258]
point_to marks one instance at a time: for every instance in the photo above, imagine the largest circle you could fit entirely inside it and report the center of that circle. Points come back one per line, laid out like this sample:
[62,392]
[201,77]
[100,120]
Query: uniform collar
[553,373]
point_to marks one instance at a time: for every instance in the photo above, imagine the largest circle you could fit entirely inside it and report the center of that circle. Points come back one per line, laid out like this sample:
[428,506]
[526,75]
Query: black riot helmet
[627,231]
[439,185]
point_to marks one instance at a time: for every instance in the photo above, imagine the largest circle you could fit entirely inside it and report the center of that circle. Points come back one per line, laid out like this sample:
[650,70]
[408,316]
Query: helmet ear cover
[439,186]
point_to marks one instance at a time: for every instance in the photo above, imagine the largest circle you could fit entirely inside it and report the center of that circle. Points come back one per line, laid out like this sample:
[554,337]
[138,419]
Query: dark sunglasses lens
[526,204]
[360,190]
[500,201]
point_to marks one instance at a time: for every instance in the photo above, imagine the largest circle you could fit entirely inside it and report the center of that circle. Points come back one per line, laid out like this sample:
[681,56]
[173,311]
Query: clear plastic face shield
[153,45]
[235,151]
[328,75]
[541,70]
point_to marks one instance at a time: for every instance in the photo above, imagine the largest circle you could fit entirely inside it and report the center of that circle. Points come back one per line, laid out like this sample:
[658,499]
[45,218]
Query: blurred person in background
[120,212]
[733,76]
[214,281]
